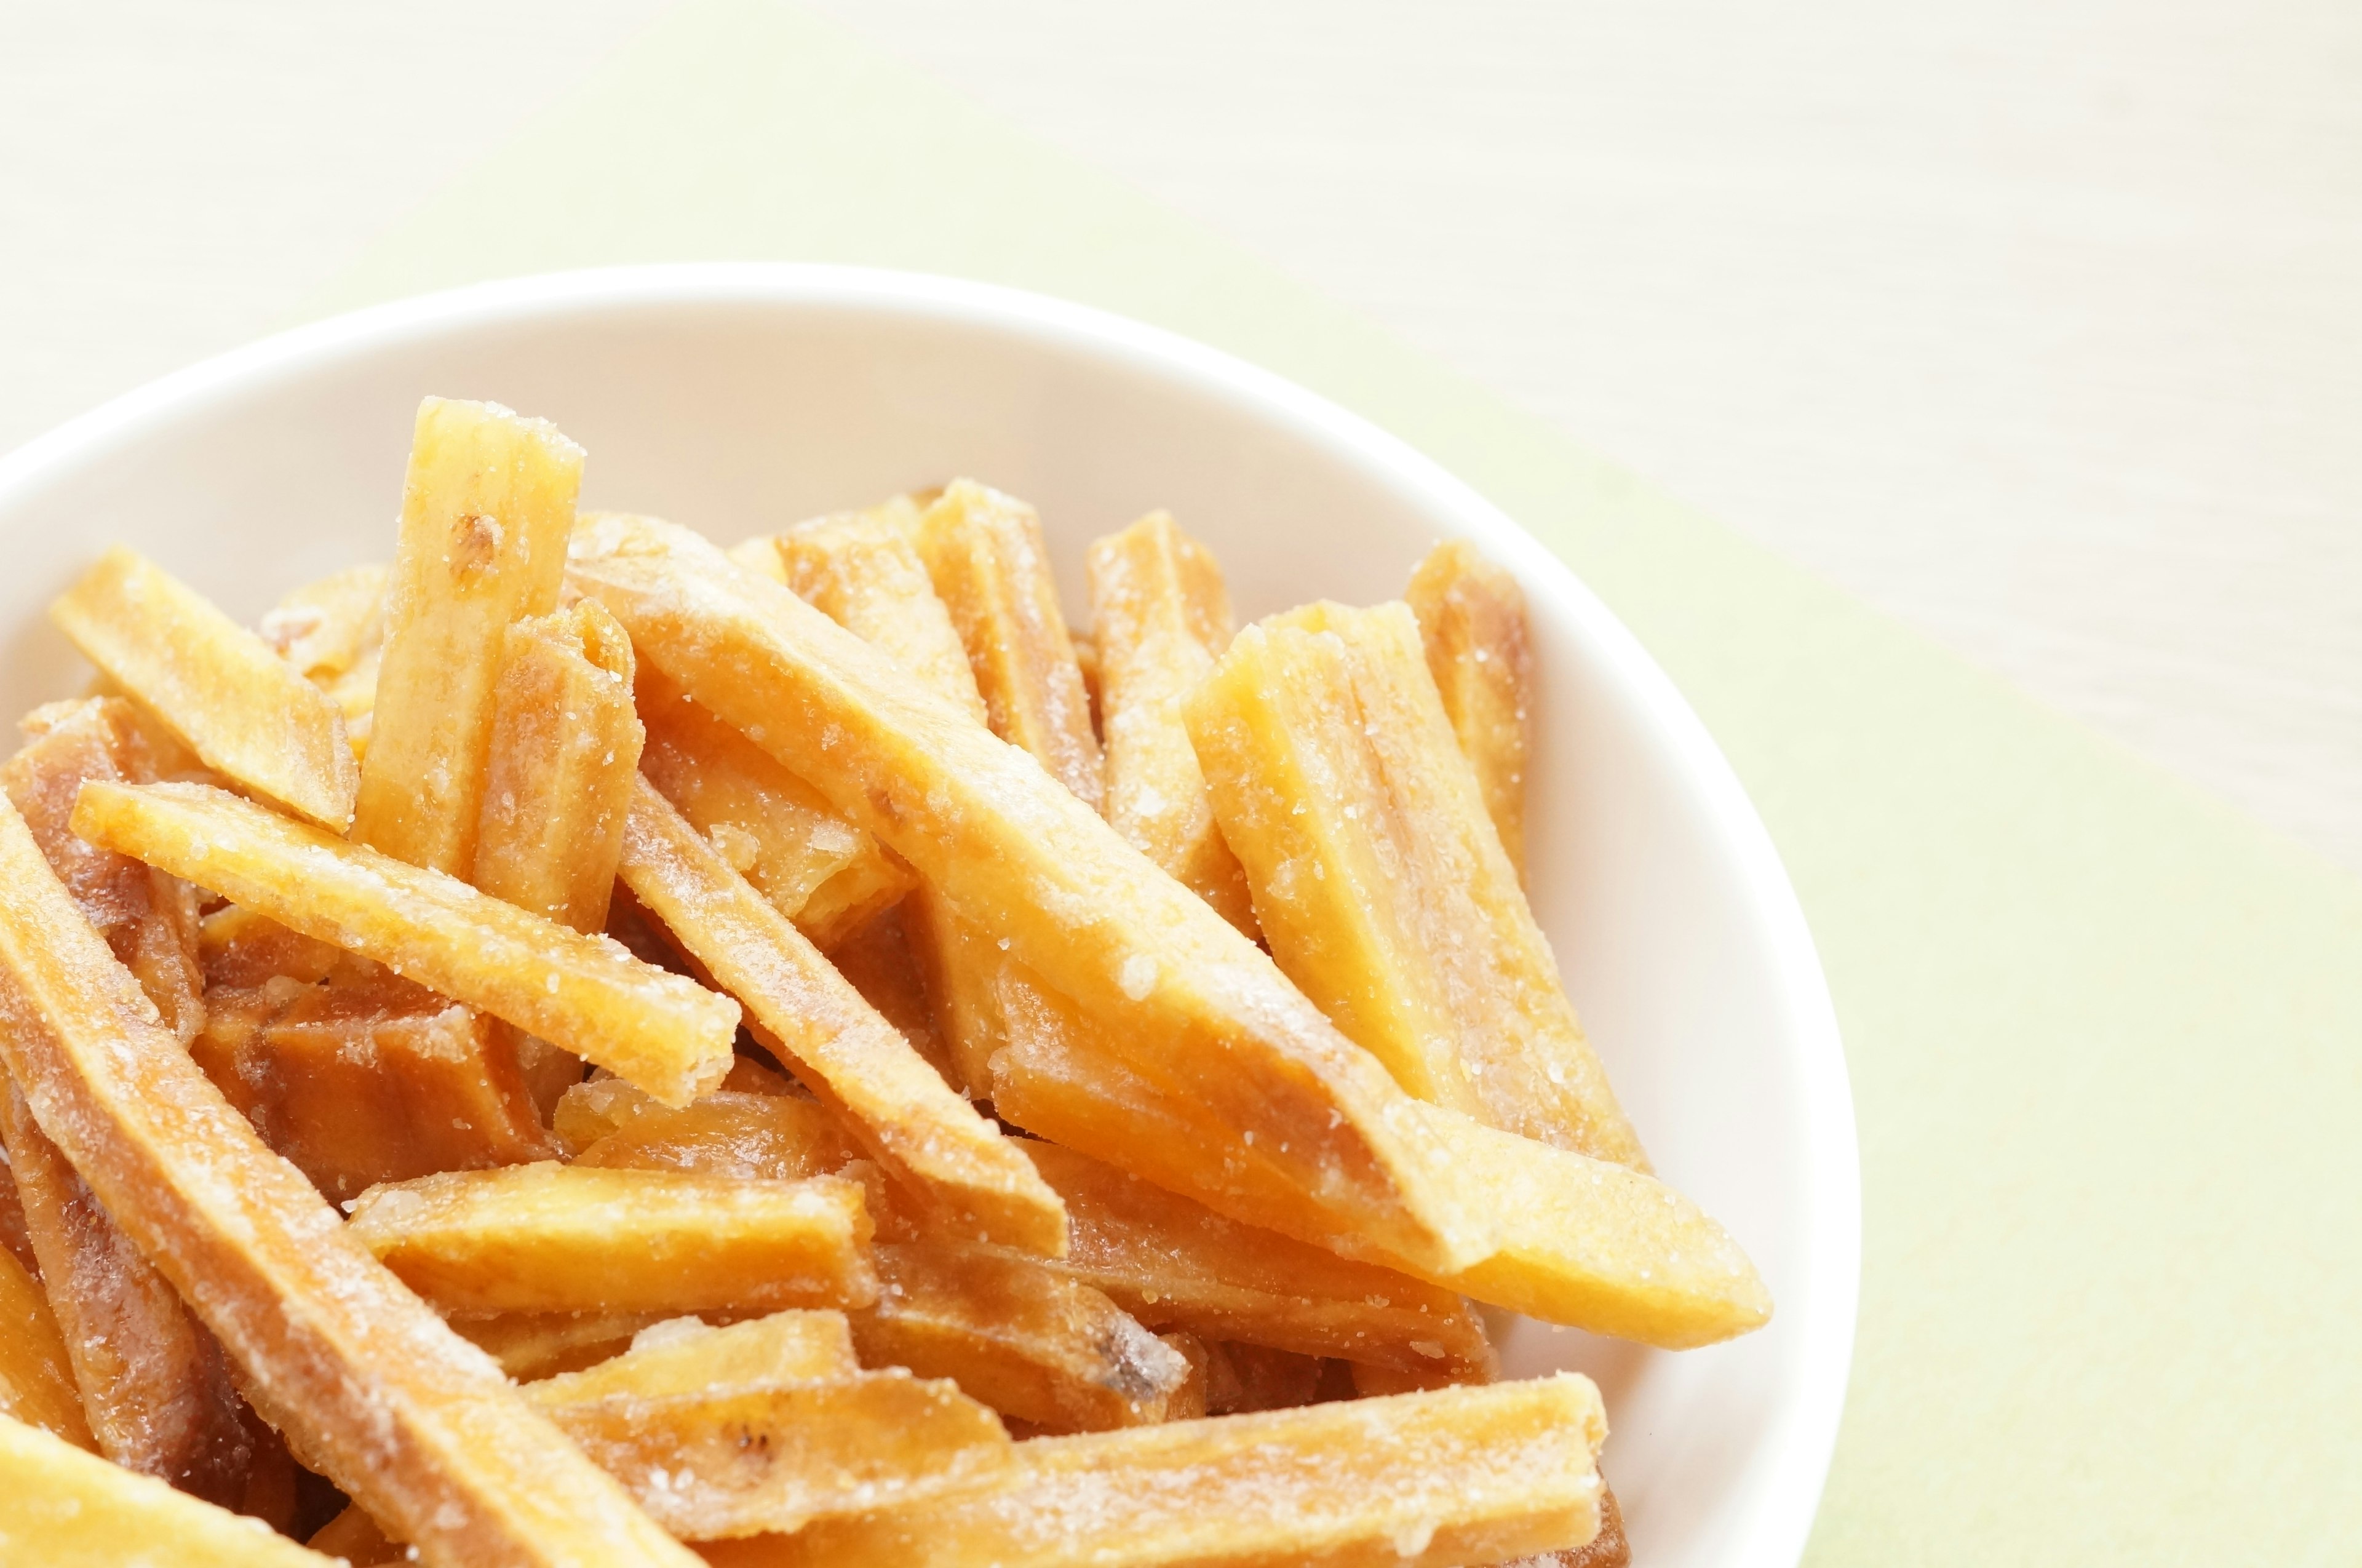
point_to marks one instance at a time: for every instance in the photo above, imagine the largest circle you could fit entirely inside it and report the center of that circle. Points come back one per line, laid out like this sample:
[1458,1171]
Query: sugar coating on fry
[530,1345]
[1455,1476]
[241,950]
[380,1396]
[363,1082]
[863,571]
[882,963]
[685,1355]
[486,506]
[153,1384]
[552,1238]
[1609,1549]
[325,629]
[1378,878]
[763,1137]
[954,1161]
[1200,1007]
[37,1380]
[1472,622]
[814,868]
[986,557]
[1160,617]
[72,1509]
[219,688]
[1018,1334]
[666,1033]
[147,917]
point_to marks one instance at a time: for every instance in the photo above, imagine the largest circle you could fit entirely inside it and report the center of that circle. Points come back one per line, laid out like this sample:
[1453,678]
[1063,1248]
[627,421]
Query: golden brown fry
[325,629]
[1380,882]
[485,511]
[814,868]
[70,1509]
[880,961]
[357,1538]
[1584,1243]
[378,1395]
[15,1240]
[529,1345]
[370,1080]
[584,994]
[1173,1264]
[954,1161]
[683,1355]
[1162,617]
[241,950]
[1472,620]
[1243,1378]
[986,557]
[147,917]
[37,1379]
[1087,659]
[1188,1401]
[154,1384]
[732,1462]
[1608,1549]
[1460,1475]
[861,571]
[553,1238]
[1027,1341]
[219,688]
[754,1136]
[1200,1007]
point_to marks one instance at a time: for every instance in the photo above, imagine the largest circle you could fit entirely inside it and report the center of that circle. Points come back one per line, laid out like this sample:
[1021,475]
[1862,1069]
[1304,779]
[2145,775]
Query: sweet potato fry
[154,1384]
[219,688]
[1242,1378]
[1188,1401]
[37,1380]
[552,1238]
[583,994]
[1200,1007]
[881,963]
[1608,1549]
[1027,1341]
[378,1394]
[761,1137]
[72,1509]
[861,571]
[1581,1242]
[1472,620]
[1459,1475]
[683,1355]
[760,555]
[485,511]
[15,1240]
[147,917]
[1378,878]
[985,555]
[813,867]
[954,1161]
[325,629]
[370,1081]
[354,1536]
[241,950]
[530,1345]
[1161,618]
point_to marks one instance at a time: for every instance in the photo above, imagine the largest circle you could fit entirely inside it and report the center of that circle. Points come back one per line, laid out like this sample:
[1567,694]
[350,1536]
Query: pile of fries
[579,1047]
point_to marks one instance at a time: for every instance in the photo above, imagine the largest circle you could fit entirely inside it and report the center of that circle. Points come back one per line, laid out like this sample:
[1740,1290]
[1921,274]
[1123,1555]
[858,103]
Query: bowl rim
[1804,1431]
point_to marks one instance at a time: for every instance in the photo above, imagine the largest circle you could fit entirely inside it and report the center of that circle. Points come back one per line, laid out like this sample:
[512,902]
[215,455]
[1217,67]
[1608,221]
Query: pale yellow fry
[990,567]
[1458,1475]
[361,1376]
[1184,995]
[218,687]
[70,1509]
[584,994]
[485,510]
[1162,617]
[1380,881]
[956,1162]
[1472,619]
[761,555]
[684,1355]
[531,1345]
[36,1381]
[553,1238]
[324,629]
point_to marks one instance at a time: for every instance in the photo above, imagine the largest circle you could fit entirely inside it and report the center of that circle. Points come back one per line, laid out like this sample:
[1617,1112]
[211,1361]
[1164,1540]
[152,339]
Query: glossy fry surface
[1472,622]
[530,1345]
[764,1137]
[861,571]
[683,1355]
[36,1381]
[325,628]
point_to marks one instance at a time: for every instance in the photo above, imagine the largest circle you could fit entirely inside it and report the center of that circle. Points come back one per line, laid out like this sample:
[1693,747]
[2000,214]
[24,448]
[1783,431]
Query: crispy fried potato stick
[14,1238]
[1173,1264]
[1608,1549]
[1244,1378]
[683,1355]
[369,1080]
[761,1137]
[553,1238]
[1190,1000]
[814,868]
[154,1384]
[583,994]
[72,1509]
[325,629]
[1472,620]
[37,1380]
[1188,1401]
[986,557]
[1161,618]
[1380,881]
[217,686]
[882,963]
[530,1345]
[417,1426]
[485,511]
[241,950]
[1456,1476]
[954,1161]
[1023,1338]
[1584,1243]
[147,917]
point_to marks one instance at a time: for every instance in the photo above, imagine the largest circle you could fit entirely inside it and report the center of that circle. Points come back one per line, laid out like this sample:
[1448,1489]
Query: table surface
[2032,324]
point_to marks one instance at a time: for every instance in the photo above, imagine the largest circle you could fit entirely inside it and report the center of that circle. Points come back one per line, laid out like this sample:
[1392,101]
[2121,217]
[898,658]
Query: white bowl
[744,398]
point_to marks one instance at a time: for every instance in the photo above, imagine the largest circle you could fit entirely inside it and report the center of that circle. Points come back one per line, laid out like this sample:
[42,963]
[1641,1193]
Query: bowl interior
[739,400]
